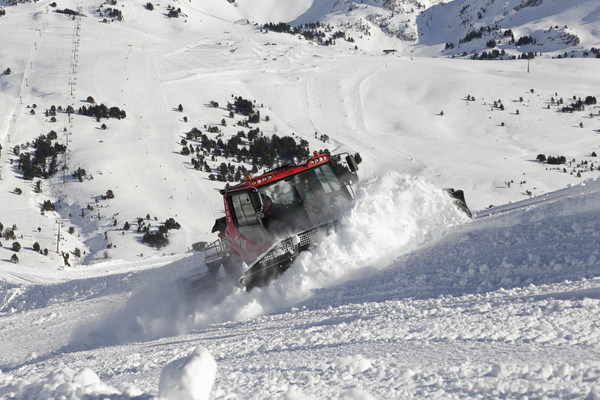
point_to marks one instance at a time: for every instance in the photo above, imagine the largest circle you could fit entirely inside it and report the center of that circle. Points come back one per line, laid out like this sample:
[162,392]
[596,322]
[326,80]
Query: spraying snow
[392,214]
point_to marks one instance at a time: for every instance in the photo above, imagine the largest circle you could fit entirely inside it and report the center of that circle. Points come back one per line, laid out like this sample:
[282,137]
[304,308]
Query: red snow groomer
[271,218]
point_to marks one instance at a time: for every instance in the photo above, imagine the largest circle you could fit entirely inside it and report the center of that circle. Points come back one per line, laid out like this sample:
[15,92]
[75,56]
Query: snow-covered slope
[448,28]
[386,107]
[556,27]
[408,299]
[504,306]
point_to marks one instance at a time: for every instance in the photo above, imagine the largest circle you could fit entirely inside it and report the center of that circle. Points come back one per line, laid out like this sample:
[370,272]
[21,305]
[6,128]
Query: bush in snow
[172,224]
[156,239]
[79,174]
[47,206]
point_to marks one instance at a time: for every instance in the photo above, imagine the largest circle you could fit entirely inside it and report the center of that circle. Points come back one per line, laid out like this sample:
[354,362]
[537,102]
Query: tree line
[102,111]
[312,32]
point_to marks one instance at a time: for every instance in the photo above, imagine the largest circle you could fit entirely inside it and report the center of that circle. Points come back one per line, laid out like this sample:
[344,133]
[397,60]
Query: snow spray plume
[159,307]
[153,311]
[392,215]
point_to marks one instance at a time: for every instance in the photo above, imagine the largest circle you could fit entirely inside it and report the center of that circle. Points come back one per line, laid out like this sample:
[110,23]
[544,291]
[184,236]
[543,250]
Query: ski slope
[409,299]
[502,306]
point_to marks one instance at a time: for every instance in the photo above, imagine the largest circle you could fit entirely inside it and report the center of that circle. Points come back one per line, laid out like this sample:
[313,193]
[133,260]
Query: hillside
[359,99]
[500,307]
[426,117]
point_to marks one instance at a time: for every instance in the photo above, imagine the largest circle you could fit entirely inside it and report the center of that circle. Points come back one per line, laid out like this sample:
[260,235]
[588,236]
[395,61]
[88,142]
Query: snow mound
[63,383]
[188,378]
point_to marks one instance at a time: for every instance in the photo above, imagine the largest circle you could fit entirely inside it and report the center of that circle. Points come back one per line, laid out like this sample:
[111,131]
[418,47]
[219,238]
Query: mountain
[551,28]
[405,300]
[448,28]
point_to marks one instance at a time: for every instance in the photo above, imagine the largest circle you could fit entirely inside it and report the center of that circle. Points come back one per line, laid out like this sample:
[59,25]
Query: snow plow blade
[281,255]
[459,200]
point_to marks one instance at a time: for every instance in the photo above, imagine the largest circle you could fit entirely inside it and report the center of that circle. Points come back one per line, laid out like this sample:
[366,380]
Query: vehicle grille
[287,249]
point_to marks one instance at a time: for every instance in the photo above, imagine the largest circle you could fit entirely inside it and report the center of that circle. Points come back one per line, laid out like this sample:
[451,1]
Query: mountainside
[551,28]
[144,64]
[501,307]
[449,28]
[121,121]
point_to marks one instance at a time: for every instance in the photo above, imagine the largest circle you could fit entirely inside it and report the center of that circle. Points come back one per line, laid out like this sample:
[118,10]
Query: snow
[188,378]
[407,299]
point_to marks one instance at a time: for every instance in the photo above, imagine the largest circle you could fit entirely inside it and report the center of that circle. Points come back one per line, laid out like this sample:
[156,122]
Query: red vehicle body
[269,219]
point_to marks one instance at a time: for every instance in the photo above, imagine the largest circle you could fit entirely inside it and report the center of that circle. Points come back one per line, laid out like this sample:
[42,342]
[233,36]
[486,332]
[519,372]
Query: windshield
[293,205]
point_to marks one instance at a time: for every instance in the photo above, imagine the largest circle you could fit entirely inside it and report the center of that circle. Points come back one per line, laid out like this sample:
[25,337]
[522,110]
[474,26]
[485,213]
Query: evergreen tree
[172,224]
[48,206]
[157,239]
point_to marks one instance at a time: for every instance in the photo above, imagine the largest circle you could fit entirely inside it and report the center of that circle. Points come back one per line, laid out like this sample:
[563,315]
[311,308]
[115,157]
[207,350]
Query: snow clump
[188,378]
